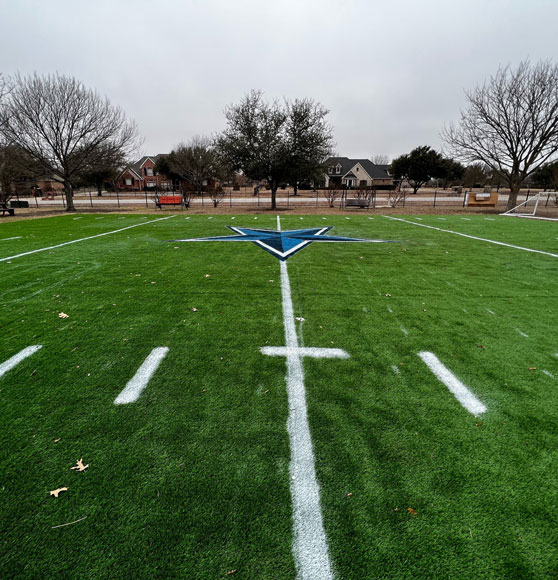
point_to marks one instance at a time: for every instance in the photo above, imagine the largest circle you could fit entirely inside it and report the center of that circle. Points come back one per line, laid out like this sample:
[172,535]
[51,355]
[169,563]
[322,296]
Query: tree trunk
[514,192]
[100,189]
[295,187]
[69,193]
[416,188]
[273,195]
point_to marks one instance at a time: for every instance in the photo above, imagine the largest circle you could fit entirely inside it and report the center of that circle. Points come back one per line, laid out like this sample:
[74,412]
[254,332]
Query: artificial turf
[192,480]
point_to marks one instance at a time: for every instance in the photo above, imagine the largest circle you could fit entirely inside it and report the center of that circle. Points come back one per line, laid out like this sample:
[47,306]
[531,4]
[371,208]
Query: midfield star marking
[281,244]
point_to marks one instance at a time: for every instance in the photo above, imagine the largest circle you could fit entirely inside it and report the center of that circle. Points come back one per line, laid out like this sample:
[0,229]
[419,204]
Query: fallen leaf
[299,318]
[208,276]
[480,345]
[271,280]
[56,492]
[63,315]
[479,424]
[79,465]
[388,295]
[395,509]
[532,368]
[194,309]
[56,440]
[349,494]
[412,511]
[231,572]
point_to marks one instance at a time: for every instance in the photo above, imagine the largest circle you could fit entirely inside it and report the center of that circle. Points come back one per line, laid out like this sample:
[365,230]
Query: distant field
[192,479]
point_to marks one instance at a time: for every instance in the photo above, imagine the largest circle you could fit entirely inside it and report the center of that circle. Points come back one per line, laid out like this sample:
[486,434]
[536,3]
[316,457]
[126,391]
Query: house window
[128,181]
[330,170]
[150,171]
[357,168]
[338,169]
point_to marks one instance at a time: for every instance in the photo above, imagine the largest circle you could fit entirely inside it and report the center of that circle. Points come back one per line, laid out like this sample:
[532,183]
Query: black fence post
[547,198]
[90,199]
[230,197]
[117,198]
[404,198]
[435,196]
[146,204]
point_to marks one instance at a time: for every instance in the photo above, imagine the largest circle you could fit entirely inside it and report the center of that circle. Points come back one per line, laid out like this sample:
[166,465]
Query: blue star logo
[281,244]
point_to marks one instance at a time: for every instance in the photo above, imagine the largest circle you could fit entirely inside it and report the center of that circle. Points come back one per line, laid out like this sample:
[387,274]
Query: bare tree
[331,194]
[511,123]
[380,159]
[62,125]
[259,139]
[196,162]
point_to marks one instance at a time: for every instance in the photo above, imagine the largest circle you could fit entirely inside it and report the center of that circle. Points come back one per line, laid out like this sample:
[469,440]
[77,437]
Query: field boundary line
[84,239]
[473,237]
[458,389]
[135,386]
[17,358]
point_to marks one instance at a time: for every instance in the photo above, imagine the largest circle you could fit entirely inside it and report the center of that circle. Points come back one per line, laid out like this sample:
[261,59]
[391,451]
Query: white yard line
[459,390]
[310,544]
[84,239]
[521,333]
[473,237]
[404,331]
[7,239]
[17,358]
[548,374]
[305,352]
[138,382]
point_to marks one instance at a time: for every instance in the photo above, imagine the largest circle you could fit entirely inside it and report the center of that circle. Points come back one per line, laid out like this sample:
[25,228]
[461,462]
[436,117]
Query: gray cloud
[391,73]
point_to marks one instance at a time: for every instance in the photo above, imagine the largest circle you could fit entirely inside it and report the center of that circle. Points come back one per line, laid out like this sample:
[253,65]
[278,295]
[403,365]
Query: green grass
[192,481]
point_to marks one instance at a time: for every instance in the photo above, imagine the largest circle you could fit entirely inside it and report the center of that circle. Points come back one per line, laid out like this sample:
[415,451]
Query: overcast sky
[391,72]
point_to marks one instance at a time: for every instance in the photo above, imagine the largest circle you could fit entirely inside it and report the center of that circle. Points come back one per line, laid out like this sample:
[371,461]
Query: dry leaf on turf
[79,465]
[56,440]
[412,511]
[194,309]
[63,315]
[56,492]
[231,572]
[532,368]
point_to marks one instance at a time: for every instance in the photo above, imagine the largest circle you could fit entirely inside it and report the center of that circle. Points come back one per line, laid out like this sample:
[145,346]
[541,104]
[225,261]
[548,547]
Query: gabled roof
[137,165]
[375,171]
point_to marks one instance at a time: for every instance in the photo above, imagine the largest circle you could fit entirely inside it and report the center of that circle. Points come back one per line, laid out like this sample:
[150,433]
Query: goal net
[543,205]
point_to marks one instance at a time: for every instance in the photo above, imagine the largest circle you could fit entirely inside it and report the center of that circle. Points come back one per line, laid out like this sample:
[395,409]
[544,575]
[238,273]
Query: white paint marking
[390,310]
[419,219]
[84,239]
[404,331]
[370,218]
[100,218]
[460,391]
[17,358]
[548,374]
[466,219]
[520,332]
[210,217]
[77,218]
[442,219]
[489,311]
[7,239]
[490,219]
[310,544]
[473,237]
[138,382]
[304,352]
[396,369]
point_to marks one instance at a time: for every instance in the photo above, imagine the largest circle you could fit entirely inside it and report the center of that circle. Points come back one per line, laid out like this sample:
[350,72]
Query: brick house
[343,172]
[141,176]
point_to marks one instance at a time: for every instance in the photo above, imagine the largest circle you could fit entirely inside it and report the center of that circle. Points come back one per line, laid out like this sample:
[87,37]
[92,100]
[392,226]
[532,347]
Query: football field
[357,411]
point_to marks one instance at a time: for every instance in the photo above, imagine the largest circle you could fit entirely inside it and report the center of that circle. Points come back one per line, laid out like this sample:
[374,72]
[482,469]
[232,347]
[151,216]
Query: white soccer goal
[543,205]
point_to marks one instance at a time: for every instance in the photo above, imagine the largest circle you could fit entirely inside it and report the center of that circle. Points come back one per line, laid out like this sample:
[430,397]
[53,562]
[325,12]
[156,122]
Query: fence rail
[246,200]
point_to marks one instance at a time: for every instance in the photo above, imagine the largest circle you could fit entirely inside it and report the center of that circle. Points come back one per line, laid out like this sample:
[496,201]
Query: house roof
[137,165]
[375,171]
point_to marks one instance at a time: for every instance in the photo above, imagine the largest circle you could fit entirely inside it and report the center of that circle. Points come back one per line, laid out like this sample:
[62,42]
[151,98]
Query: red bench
[170,200]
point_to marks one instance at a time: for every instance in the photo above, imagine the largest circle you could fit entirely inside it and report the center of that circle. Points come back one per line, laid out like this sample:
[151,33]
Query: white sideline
[8,239]
[17,358]
[473,237]
[459,390]
[310,544]
[84,239]
[138,382]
